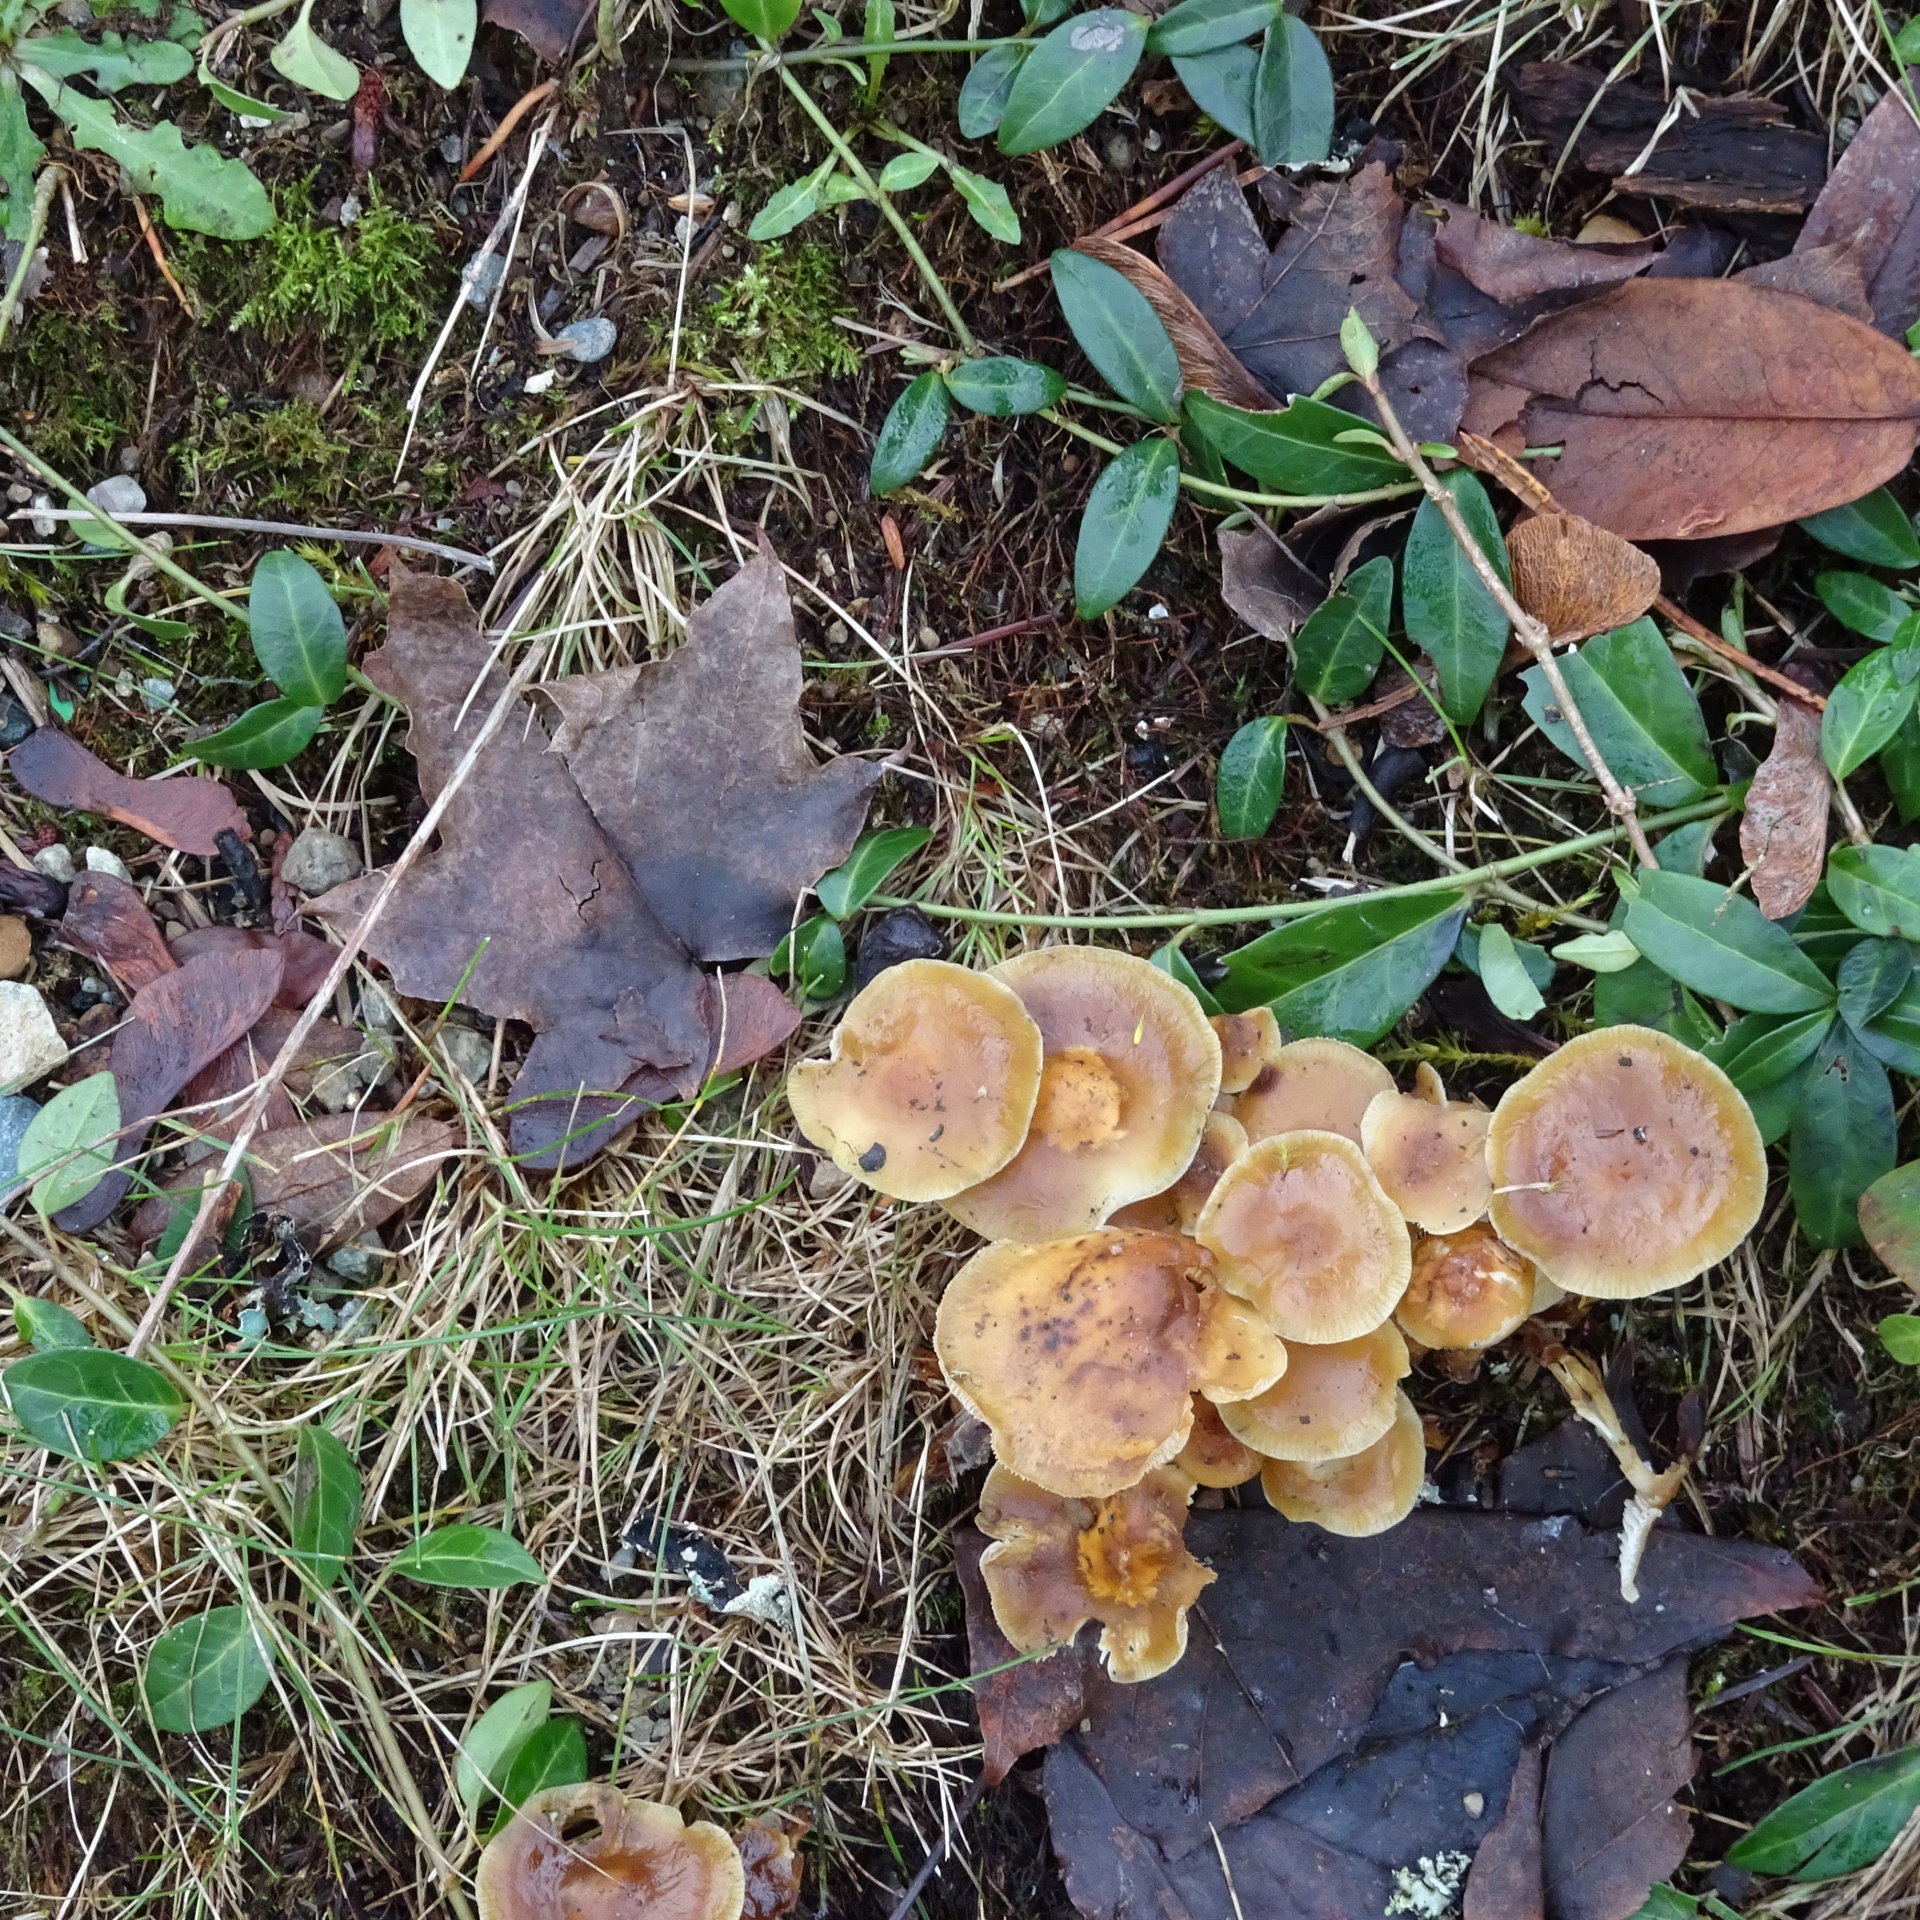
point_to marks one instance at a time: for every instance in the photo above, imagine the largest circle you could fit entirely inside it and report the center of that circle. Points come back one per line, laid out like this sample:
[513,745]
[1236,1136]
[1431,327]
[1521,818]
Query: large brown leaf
[529,893]
[188,813]
[698,770]
[1695,407]
[1783,830]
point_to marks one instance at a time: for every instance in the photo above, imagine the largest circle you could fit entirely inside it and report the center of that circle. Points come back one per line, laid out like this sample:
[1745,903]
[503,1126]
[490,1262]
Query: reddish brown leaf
[108,922]
[305,958]
[1695,407]
[235,1071]
[1830,275]
[187,813]
[1512,266]
[547,26]
[175,1025]
[1783,832]
[1577,578]
[698,770]
[752,1018]
[526,909]
[1505,1881]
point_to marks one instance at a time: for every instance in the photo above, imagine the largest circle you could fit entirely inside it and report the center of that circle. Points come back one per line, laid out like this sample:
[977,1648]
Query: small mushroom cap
[1364,1494]
[643,1862]
[1239,1355]
[1248,1042]
[1319,1085]
[1212,1457]
[1468,1289]
[1178,1209]
[1333,1400]
[1431,1160]
[1130,1071]
[1625,1163]
[930,1084]
[1057,1563]
[1428,1086]
[1305,1233]
[1081,1355]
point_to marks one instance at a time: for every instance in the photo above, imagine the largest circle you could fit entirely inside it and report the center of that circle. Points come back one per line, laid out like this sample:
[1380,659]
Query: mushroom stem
[1652,1492]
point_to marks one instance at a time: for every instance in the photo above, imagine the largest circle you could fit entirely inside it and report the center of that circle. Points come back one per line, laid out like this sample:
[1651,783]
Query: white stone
[99,860]
[56,862]
[30,1044]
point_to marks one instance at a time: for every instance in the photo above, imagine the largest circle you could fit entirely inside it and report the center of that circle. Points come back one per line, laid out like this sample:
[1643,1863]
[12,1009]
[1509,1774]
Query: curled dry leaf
[1783,832]
[1514,266]
[188,813]
[1579,579]
[1267,588]
[305,958]
[108,923]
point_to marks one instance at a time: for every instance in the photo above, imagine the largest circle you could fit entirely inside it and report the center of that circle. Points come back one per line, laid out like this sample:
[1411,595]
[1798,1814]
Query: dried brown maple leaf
[698,770]
[526,909]
[1577,578]
[188,812]
[1694,407]
[1783,832]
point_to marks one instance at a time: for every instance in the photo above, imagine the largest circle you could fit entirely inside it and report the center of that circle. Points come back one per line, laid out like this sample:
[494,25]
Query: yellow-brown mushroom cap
[1081,1355]
[1057,1563]
[1322,1086]
[1431,1160]
[635,1860]
[1304,1232]
[1364,1494]
[1468,1289]
[1625,1163]
[1332,1401]
[1179,1208]
[1130,1072]
[1428,1086]
[1212,1456]
[930,1084]
[1248,1042]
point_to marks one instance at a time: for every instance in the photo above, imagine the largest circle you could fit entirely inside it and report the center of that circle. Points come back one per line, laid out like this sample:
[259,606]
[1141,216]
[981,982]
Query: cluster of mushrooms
[1213,1252]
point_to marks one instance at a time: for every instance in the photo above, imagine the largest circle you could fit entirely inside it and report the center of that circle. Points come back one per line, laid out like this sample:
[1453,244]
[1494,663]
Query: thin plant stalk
[43,190]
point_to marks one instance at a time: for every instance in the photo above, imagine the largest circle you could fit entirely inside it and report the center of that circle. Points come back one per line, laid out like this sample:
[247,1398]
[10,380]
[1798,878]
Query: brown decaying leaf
[1205,364]
[698,770]
[1783,831]
[1506,1880]
[1830,276]
[108,922]
[1694,407]
[527,891]
[186,813]
[174,1026]
[1577,578]
[305,958]
[750,1017]
[1268,589]
[1514,266]
[236,1070]
[547,26]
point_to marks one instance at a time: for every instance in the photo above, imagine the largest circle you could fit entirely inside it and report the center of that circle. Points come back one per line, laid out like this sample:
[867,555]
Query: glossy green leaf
[1843,1138]
[1859,601]
[1872,529]
[306,59]
[1761,1049]
[1003,387]
[1667,1903]
[1446,606]
[48,1327]
[1070,78]
[822,950]
[21,152]
[298,635]
[1610,952]
[1890,1219]
[769,19]
[553,1755]
[1252,777]
[875,855]
[1199,26]
[1821,931]
[1900,1335]
[1508,983]
[1221,86]
[234,100]
[1900,767]
[1640,710]
[798,200]
[1837,1825]
[466,1556]
[480,1767]
[1338,647]
[1292,96]
[326,1503]
[1118,331]
[1296,450]
[987,201]
[69,1145]
[439,34]
[1865,711]
[1126,519]
[1643,995]
[1043,13]
[206,1672]
[910,435]
[87,1404]
[983,94]
[113,62]
[906,171]
[842,190]
[1349,971]
[1685,849]
[268,735]
[1871,978]
[1171,959]
[1720,944]
[1877,888]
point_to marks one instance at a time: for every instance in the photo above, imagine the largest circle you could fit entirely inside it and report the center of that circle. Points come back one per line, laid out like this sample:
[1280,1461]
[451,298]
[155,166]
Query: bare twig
[501,134]
[29,245]
[160,257]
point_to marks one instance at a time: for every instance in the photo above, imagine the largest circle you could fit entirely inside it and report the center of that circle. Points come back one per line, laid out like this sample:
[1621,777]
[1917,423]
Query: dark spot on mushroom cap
[873,1159]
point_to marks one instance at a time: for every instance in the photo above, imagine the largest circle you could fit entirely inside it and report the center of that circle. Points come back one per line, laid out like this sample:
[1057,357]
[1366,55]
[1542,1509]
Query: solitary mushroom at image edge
[930,1084]
[1362,1494]
[1306,1235]
[1082,1355]
[1432,1160]
[1624,1163]
[623,1860]
[1334,1400]
[1056,1563]
[1131,1069]
[1321,1086]
[1468,1290]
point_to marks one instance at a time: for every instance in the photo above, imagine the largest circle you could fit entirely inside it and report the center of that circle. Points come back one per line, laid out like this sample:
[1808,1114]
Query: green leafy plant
[206,1671]
[815,953]
[326,1504]
[478,1558]
[1839,1824]
[87,1404]
[68,1147]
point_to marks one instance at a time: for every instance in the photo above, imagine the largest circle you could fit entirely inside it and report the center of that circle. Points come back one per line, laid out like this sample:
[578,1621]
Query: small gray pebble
[56,862]
[450,150]
[362,1260]
[319,861]
[470,1053]
[480,276]
[99,860]
[588,340]
[119,493]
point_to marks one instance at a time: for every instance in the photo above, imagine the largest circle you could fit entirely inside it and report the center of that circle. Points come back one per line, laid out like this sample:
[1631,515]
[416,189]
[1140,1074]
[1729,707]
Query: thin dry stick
[29,245]
[504,131]
[1531,632]
[160,257]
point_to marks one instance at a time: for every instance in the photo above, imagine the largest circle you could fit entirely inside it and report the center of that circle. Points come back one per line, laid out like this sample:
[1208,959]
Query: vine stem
[851,161]
[43,190]
[1471,879]
[1532,633]
[833,50]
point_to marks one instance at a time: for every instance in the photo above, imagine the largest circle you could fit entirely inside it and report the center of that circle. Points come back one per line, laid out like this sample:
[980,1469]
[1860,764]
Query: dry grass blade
[1577,579]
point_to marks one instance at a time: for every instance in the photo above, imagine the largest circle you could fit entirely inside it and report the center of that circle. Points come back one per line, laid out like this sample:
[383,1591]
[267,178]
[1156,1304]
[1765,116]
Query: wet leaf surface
[187,813]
